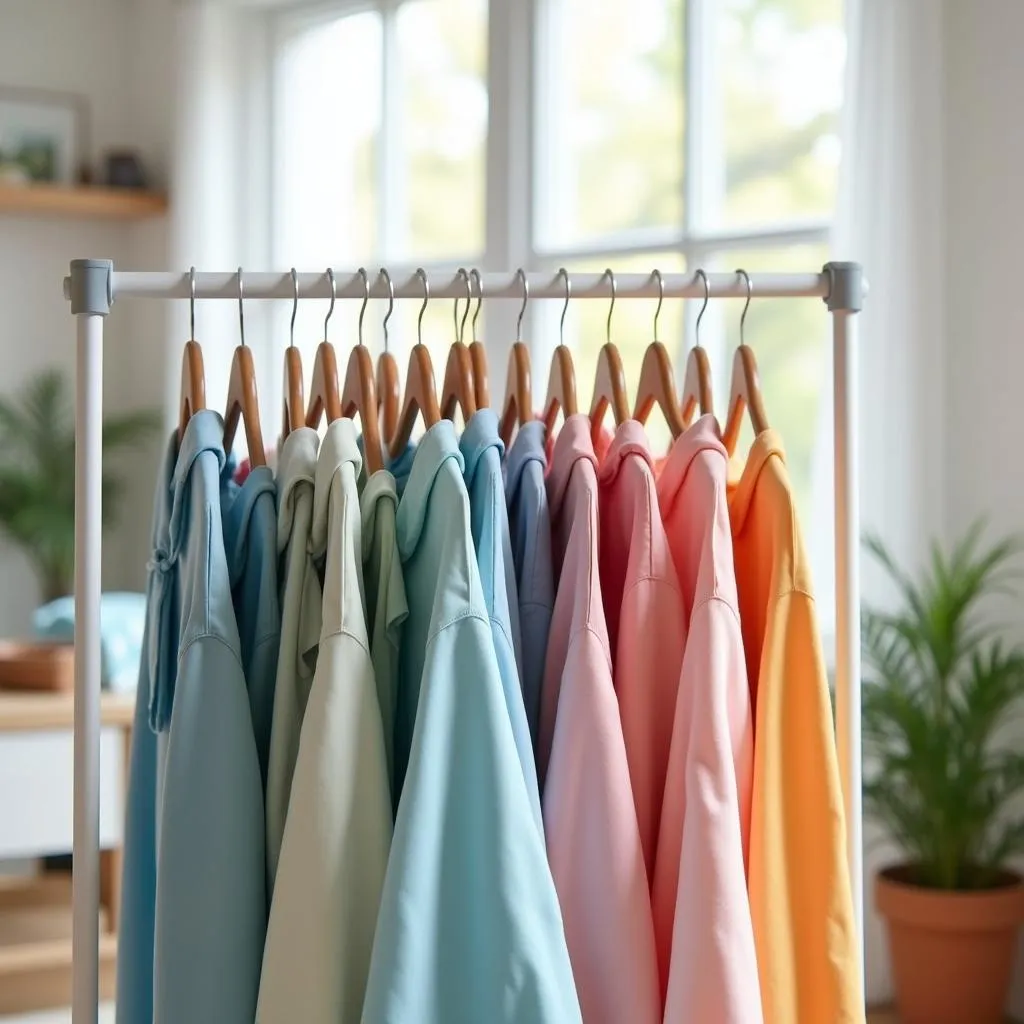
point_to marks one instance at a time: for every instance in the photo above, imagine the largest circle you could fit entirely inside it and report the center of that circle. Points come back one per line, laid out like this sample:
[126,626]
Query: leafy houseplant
[941,781]
[37,474]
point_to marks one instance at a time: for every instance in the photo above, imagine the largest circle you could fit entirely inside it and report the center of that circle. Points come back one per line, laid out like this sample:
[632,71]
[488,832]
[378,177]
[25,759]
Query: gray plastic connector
[846,287]
[91,286]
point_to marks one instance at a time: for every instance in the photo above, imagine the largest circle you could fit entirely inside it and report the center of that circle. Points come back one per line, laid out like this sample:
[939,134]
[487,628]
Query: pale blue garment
[249,514]
[469,927]
[529,517]
[210,884]
[482,449]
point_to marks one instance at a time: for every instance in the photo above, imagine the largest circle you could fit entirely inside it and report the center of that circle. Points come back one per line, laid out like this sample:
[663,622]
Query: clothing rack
[92,287]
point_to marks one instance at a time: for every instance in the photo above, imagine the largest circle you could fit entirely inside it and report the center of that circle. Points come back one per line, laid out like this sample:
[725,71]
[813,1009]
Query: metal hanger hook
[521,276]
[475,276]
[460,327]
[295,305]
[192,302]
[422,275]
[334,296]
[241,311]
[391,303]
[656,274]
[611,308]
[746,305]
[707,295]
[562,272]
[366,298]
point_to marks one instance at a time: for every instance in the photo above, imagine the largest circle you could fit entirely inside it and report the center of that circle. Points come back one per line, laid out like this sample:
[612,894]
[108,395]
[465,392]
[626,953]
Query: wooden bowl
[39,667]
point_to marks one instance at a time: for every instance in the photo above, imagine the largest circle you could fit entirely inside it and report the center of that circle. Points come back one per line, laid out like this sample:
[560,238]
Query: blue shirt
[529,518]
[469,927]
[482,450]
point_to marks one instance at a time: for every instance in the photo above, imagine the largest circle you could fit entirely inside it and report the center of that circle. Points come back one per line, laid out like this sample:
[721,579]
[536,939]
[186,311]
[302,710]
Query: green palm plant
[941,685]
[37,474]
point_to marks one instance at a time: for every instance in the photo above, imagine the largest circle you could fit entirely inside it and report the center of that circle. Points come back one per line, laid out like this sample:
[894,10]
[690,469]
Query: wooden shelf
[25,712]
[85,202]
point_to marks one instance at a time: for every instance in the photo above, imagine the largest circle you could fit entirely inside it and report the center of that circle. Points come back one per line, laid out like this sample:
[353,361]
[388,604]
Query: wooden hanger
[609,380]
[561,394]
[458,390]
[420,391]
[294,403]
[325,388]
[657,382]
[243,401]
[193,376]
[359,394]
[697,388]
[477,352]
[389,397]
[745,387]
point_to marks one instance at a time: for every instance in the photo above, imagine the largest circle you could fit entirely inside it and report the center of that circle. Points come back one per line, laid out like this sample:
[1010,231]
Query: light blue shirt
[529,519]
[469,928]
[206,831]
[482,449]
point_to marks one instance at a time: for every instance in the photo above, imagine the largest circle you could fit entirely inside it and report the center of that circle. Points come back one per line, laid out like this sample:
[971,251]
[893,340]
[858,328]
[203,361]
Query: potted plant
[942,781]
[37,475]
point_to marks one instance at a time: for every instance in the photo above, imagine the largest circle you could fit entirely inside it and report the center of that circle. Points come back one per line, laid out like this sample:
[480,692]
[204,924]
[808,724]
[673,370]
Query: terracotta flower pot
[952,952]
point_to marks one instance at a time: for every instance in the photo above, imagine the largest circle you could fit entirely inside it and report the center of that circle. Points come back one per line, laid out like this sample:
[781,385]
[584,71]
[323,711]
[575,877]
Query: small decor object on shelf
[944,783]
[42,136]
[124,170]
[44,667]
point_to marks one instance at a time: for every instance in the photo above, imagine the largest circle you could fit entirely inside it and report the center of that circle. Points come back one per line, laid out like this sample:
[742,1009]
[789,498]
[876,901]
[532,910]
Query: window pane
[781,67]
[610,114]
[324,178]
[439,135]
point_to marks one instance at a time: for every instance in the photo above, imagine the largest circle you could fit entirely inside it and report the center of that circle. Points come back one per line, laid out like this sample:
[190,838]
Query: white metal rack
[92,287]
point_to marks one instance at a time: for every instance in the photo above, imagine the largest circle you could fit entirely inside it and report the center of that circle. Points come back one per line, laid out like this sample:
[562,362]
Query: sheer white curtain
[891,218]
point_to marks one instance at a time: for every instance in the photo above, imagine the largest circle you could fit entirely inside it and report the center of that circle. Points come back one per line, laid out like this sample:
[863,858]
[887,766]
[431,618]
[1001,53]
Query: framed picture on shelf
[42,136]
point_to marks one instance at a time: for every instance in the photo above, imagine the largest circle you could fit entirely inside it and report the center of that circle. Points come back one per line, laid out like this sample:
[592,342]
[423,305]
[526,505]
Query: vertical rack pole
[90,303]
[844,301]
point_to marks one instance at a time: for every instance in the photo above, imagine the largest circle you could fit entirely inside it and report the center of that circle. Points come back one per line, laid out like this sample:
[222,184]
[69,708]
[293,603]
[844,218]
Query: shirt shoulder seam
[210,635]
[468,613]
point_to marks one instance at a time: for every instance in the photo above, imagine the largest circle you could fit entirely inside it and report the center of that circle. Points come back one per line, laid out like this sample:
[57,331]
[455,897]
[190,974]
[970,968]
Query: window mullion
[392,190]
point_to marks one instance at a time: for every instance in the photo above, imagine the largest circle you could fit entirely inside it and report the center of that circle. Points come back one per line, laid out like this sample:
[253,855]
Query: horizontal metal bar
[407,285]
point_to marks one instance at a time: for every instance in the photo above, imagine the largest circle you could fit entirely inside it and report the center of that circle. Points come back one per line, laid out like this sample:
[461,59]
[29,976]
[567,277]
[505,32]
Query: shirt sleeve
[594,846]
[335,849]
[702,914]
[800,894]
[469,926]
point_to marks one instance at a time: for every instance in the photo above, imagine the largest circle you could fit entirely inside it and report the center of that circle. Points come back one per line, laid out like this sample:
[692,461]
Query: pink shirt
[592,837]
[702,919]
[641,602]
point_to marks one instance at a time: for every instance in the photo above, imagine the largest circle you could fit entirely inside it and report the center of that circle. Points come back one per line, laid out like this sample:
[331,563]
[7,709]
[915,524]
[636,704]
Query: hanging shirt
[249,515]
[800,894]
[529,520]
[641,601]
[300,627]
[338,830]
[700,881]
[211,883]
[386,607]
[482,449]
[592,836]
[469,928]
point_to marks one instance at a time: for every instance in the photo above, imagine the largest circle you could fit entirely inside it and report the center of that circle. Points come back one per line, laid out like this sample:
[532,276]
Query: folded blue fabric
[122,619]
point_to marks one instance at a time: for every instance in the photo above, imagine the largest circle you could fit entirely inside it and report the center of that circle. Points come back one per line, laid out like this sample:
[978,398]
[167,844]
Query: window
[539,133]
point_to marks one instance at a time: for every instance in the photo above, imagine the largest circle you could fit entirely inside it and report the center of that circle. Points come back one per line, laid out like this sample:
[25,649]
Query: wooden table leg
[110,886]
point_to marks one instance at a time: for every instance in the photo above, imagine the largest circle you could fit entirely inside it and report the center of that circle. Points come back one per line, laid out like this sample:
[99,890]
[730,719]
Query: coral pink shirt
[641,601]
[592,837]
[705,936]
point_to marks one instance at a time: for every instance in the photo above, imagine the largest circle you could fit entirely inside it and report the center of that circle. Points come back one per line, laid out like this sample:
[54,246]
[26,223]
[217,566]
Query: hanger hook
[422,275]
[656,274]
[366,298]
[469,301]
[521,276]
[334,296]
[295,306]
[611,308]
[241,311]
[192,302]
[475,275]
[746,305]
[562,272]
[391,303]
[460,328]
[707,295]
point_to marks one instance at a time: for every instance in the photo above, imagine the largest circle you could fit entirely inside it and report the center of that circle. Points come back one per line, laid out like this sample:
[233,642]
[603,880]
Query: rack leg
[847,540]
[88,511]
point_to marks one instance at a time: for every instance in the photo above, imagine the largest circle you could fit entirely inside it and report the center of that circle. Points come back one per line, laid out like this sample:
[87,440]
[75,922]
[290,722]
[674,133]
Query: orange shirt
[799,882]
